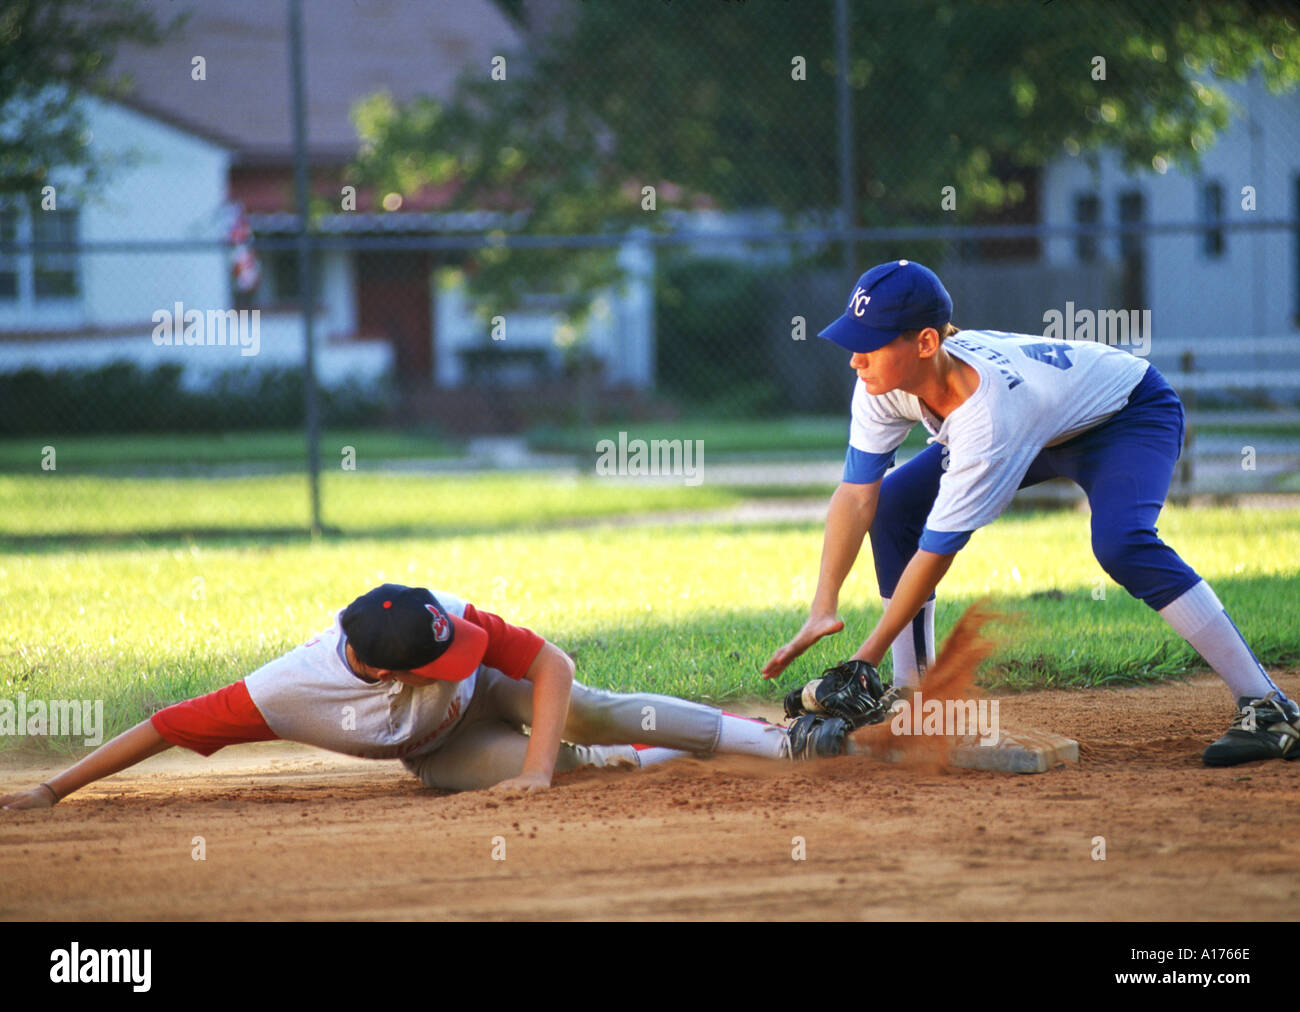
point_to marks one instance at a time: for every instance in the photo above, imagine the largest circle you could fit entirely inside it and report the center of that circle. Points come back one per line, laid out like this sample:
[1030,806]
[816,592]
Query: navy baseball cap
[889,299]
[406,629]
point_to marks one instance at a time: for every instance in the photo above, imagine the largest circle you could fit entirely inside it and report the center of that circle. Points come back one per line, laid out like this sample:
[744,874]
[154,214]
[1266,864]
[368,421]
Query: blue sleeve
[862,468]
[943,542]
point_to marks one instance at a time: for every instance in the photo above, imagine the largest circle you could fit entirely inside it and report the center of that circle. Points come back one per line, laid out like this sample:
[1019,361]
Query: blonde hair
[947,330]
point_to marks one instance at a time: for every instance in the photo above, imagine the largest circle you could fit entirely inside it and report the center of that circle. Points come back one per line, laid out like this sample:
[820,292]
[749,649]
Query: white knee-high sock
[657,754]
[605,755]
[908,667]
[737,736]
[625,755]
[742,736]
[1199,617]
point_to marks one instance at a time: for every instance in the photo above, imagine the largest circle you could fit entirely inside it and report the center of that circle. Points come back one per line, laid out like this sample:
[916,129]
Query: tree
[704,101]
[53,53]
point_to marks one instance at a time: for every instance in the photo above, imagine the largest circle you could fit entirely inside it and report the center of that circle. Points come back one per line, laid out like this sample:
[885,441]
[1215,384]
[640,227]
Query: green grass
[690,610]
[194,453]
[146,453]
[800,435]
[1264,428]
[47,508]
[190,451]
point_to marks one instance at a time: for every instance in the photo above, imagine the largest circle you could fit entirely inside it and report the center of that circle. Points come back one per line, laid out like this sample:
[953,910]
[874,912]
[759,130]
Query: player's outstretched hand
[814,629]
[525,783]
[37,797]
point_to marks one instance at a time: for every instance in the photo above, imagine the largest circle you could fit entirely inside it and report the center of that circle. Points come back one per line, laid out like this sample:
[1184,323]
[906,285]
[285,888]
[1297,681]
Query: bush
[123,397]
[714,322]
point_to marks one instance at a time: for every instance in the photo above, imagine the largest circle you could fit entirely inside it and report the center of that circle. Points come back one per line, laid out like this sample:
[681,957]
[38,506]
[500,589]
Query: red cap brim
[468,645]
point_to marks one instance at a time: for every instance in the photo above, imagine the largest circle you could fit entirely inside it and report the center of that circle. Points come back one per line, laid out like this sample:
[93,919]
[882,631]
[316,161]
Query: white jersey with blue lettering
[1034,392]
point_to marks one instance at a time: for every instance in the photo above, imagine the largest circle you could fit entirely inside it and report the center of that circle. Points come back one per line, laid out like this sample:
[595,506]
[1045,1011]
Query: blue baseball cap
[890,298]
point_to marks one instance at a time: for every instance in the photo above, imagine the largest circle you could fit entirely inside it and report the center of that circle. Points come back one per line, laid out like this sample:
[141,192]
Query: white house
[167,186]
[1209,282]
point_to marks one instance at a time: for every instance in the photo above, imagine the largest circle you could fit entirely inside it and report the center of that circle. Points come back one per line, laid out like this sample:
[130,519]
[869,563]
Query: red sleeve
[207,723]
[511,649]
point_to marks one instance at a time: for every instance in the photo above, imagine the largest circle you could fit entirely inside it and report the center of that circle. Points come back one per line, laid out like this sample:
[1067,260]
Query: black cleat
[815,737]
[1264,729]
[893,694]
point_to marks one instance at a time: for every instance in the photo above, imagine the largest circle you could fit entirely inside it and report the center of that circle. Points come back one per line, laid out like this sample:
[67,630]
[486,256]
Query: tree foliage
[702,99]
[52,54]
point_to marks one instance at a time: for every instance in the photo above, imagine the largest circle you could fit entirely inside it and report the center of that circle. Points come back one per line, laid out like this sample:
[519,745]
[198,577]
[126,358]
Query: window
[1212,215]
[1087,211]
[1295,215]
[1133,285]
[55,271]
[8,261]
[280,268]
[1130,213]
[29,275]
[283,266]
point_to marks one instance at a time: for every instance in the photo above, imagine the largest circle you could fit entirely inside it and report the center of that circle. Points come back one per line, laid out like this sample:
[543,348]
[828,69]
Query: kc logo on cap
[399,628]
[890,298]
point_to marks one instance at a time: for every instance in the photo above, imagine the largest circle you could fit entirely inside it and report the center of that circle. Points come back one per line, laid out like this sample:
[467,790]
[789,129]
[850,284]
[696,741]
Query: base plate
[1024,751]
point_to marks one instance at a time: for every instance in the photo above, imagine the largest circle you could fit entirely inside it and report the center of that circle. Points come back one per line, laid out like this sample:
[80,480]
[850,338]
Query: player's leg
[489,751]
[488,745]
[906,495]
[1125,467]
[673,726]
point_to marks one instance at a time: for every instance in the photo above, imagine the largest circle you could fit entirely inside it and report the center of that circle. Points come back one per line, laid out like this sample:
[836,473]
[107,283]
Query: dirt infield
[294,833]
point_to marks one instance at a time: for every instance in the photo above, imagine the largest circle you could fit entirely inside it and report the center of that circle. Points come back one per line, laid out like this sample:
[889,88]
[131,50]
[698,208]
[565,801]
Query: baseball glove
[851,691]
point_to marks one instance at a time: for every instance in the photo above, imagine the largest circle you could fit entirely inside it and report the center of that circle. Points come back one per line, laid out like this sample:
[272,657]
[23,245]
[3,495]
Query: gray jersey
[310,695]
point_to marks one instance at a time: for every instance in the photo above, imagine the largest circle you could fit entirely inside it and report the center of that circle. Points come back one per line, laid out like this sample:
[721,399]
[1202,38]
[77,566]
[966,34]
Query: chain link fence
[637,217]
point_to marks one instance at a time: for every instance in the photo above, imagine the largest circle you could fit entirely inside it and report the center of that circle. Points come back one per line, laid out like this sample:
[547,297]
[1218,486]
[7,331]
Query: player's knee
[591,713]
[1116,550]
[426,771]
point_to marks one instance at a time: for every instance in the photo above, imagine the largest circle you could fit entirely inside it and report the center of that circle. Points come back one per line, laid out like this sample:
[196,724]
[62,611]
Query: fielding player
[1006,411]
[446,688]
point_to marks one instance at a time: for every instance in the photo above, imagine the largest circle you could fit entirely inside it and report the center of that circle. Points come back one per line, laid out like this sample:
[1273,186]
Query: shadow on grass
[244,537]
[1053,640]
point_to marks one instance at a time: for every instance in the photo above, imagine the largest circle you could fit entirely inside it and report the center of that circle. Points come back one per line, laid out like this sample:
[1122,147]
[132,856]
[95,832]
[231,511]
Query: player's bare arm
[551,675]
[127,749]
[918,582]
[848,519]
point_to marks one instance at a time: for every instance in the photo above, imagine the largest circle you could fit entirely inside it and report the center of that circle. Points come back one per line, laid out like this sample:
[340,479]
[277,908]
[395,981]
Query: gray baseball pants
[488,744]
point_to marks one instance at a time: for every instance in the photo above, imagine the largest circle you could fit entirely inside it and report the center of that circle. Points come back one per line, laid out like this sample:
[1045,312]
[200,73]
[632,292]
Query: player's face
[375,675]
[406,678]
[384,675]
[889,368]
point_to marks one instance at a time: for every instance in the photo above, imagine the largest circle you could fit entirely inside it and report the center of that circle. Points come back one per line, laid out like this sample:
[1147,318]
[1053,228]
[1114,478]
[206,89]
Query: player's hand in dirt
[814,629]
[37,797]
[525,783]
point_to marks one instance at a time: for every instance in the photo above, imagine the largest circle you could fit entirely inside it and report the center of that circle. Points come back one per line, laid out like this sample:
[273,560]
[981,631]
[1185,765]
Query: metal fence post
[1186,365]
[305,286]
[845,130]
